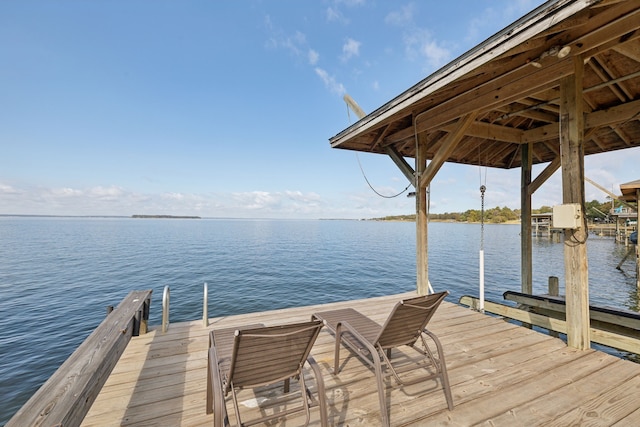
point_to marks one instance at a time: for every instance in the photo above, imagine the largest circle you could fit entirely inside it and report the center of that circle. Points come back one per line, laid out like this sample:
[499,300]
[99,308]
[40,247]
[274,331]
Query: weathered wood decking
[500,374]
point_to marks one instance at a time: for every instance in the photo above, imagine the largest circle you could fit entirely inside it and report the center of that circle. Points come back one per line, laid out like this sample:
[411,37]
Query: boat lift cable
[351,104]
[483,189]
[373,189]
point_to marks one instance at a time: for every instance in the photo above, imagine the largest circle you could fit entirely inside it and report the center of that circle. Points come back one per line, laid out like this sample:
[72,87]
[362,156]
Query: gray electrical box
[567,216]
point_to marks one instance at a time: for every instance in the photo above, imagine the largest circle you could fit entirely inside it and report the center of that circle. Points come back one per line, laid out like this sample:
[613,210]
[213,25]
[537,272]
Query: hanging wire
[373,189]
[365,176]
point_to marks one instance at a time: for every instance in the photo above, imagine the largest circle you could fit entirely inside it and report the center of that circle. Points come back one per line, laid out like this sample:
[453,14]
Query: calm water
[57,275]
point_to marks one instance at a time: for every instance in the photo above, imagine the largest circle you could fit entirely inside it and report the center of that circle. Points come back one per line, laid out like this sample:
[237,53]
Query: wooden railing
[65,398]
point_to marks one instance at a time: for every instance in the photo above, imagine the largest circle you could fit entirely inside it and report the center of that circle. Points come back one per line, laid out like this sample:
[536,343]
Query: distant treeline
[497,215]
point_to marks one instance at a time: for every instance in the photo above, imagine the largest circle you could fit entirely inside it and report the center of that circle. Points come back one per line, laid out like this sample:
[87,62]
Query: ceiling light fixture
[564,52]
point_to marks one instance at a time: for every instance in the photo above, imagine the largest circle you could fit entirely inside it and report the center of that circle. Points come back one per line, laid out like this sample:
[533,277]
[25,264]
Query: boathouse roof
[509,85]
[630,190]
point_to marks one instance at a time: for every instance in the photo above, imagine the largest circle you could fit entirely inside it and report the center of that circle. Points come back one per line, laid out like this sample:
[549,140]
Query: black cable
[373,189]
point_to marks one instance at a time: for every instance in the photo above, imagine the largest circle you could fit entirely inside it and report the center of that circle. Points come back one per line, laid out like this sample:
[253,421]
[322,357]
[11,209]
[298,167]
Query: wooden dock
[501,374]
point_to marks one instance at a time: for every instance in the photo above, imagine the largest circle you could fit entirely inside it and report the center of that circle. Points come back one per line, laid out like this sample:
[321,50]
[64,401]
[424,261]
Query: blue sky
[225,108]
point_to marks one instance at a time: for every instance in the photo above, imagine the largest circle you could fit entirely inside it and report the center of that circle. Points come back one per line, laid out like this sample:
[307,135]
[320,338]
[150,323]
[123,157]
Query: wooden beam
[451,142]
[609,116]
[575,240]
[422,220]
[478,129]
[624,24]
[526,272]
[629,49]
[544,175]
[402,164]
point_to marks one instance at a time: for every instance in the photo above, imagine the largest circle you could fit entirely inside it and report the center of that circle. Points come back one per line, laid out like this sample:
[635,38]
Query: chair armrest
[219,408]
[322,401]
[358,336]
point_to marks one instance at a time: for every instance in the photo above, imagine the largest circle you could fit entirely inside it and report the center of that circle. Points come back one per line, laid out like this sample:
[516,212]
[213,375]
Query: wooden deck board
[500,374]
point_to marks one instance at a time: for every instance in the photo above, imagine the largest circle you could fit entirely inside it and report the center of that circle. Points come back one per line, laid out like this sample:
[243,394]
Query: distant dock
[542,226]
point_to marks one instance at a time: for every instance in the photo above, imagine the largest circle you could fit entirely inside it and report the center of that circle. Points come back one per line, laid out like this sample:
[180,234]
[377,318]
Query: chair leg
[305,399]
[387,364]
[336,355]
[381,391]
[322,397]
[235,405]
[443,370]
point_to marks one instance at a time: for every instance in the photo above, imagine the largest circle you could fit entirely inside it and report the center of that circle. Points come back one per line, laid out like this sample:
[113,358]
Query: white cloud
[420,44]
[108,193]
[485,23]
[330,82]
[173,196]
[313,57]
[112,200]
[350,49]
[66,192]
[302,197]
[334,15]
[257,200]
[277,39]
[402,17]
[297,45]
[7,189]
[351,3]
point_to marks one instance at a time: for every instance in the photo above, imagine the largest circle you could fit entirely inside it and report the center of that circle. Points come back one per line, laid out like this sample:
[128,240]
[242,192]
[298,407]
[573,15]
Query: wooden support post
[525,220]
[554,290]
[637,245]
[575,240]
[422,258]
[144,321]
[637,268]
[554,286]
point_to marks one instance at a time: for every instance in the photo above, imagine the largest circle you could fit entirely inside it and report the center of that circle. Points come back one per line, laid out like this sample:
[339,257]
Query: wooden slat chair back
[257,356]
[408,319]
[405,325]
[267,355]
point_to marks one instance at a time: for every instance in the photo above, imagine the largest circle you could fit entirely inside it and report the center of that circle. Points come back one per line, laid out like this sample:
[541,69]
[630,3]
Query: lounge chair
[373,343]
[254,356]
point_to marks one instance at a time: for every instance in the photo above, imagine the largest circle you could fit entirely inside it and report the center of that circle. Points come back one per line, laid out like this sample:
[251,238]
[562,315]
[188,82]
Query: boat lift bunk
[616,328]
